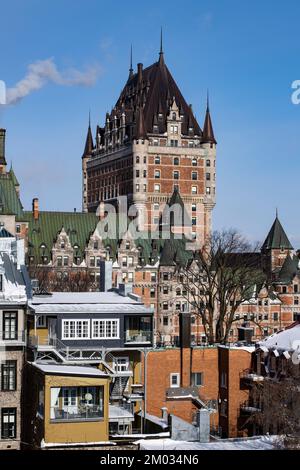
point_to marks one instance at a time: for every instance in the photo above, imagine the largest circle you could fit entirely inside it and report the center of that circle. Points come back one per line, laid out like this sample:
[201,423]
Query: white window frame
[177,375]
[122,363]
[106,321]
[76,337]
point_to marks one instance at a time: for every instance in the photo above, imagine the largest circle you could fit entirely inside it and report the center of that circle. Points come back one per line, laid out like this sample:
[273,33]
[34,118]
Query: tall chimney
[35,208]
[2,151]
[140,72]
[185,349]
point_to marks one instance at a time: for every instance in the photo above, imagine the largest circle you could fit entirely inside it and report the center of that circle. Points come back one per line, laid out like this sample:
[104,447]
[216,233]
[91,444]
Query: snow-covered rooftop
[285,340]
[69,370]
[259,443]
[87,302]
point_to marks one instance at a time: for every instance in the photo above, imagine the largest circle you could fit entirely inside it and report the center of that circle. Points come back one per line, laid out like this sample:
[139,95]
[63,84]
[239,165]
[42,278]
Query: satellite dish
[88,397]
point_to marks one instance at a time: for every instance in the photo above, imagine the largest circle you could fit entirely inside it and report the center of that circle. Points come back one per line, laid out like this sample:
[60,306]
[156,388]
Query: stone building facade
[14,290]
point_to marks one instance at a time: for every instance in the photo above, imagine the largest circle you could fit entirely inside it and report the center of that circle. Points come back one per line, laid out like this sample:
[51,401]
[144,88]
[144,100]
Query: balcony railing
[138,336]
[77,413]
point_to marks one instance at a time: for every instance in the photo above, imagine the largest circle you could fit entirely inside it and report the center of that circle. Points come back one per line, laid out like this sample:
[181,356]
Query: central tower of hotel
[150,146]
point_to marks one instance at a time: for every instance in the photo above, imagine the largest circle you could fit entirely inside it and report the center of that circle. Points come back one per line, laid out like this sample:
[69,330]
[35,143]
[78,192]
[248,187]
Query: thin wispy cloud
[45,71]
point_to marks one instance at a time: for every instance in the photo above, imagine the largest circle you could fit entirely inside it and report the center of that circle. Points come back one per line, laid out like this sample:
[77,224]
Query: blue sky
[247,53]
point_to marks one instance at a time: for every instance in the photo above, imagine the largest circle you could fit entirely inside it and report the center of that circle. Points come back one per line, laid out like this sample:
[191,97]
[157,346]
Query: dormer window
[62,245]
[76,247]
[160,115]
[43,246]
[96,245]
[155,129]
[174,117]
[1,282]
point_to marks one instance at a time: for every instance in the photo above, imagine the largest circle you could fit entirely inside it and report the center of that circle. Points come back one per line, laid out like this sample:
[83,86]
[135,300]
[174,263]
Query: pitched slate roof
[13,177]
[153,89]
[277,238]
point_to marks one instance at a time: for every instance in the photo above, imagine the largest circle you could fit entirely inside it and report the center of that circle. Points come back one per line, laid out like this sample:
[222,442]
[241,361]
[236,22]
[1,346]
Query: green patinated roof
[9,200]
[289,269]
[13,177]
[45,229]
[277,238]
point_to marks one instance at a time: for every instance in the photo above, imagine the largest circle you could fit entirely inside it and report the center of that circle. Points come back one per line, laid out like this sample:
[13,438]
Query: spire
[277,238]
[89,144]
[208,132]
[13,176]
[130,67]
[161,52]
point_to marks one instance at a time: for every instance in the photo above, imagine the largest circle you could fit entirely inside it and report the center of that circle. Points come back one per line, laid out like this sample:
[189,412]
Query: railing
[81,412]
[249,376]
[138,337]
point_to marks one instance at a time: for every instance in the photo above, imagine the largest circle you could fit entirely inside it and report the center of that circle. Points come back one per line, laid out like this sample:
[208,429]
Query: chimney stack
[140,72]
[185,348]
[35,208]
[2,151]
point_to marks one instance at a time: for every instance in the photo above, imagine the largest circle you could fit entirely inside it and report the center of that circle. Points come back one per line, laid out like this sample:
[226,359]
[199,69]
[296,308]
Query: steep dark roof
[208,132]
[154,89]
[89,144]
[277,238]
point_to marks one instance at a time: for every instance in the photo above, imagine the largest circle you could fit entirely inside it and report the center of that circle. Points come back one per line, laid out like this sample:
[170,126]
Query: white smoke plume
[43,71]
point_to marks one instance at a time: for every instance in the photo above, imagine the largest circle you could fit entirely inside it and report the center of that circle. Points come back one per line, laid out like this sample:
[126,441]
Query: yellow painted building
[66,405]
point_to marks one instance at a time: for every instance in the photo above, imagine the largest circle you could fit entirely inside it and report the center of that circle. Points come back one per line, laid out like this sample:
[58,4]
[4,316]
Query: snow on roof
[257,443]
[154,419]
[69,370]
[87,302]
[285,340]
[111,297]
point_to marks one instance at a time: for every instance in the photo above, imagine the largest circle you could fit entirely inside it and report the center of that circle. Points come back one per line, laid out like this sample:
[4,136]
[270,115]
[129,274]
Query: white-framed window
[157,188]
[69,396]
[122,363]
[105,329]
[75,329]
[157,160]
[174,380]
[194,189]
[197,379]
[157,174]
[156,206]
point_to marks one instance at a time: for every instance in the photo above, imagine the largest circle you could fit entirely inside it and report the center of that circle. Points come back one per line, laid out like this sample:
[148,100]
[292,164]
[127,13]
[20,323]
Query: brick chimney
[185,349]
[2,151]
[35,208]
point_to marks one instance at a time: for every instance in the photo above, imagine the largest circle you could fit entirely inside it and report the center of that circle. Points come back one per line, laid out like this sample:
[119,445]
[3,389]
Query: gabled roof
[277,238]
[5,233]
